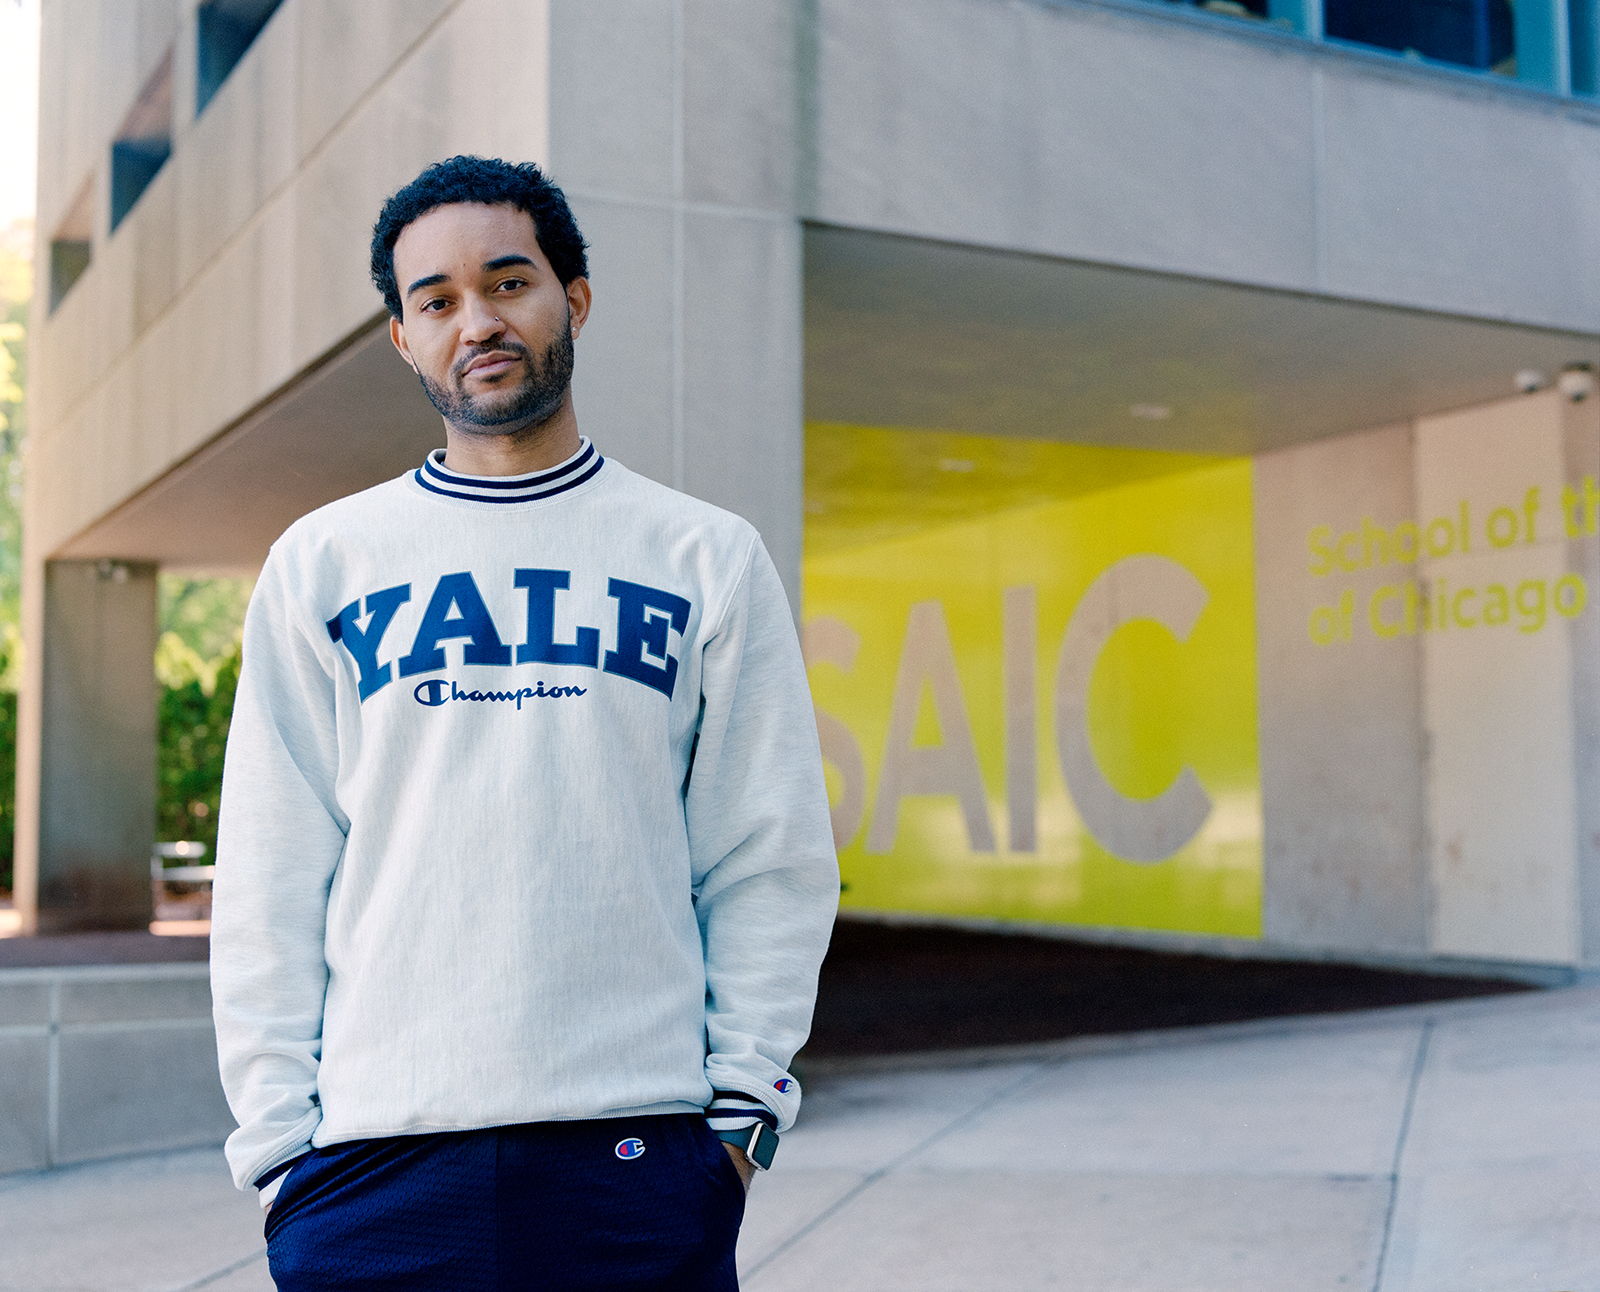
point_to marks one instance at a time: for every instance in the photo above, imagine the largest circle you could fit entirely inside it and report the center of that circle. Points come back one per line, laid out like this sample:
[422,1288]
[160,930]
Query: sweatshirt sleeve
[766,877]
[280,835]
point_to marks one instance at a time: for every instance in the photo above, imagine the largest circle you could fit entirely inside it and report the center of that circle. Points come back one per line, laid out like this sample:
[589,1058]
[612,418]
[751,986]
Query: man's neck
[519,453]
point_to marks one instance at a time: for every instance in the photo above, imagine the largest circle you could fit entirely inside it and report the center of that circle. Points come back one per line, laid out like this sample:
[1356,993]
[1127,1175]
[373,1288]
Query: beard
[505,412]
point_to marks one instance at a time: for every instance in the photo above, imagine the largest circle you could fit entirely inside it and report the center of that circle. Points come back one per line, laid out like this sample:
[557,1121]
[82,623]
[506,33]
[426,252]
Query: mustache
[506,346]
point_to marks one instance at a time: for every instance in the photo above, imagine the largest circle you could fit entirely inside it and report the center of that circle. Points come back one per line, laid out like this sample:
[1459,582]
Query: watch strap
[759,1143]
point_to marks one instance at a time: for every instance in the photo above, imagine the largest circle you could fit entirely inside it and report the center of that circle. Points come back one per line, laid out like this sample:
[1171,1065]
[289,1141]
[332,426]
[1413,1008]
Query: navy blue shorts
[627,1202]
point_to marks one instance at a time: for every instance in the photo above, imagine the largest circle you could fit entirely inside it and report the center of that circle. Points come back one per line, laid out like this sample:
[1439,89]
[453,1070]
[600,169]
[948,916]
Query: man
[525,869]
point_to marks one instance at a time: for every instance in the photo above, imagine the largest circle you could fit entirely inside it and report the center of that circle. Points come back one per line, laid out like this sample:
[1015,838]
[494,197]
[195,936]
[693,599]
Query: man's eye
[435,305]
[510,284]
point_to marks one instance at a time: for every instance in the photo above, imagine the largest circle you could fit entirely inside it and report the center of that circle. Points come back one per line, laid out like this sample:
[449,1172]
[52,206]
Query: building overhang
[354,419]
[908,332]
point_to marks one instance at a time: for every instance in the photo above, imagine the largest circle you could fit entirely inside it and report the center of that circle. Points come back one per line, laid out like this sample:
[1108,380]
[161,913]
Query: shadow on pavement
[897,990]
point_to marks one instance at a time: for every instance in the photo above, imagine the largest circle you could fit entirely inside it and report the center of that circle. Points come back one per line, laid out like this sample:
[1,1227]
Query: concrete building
[1170,421]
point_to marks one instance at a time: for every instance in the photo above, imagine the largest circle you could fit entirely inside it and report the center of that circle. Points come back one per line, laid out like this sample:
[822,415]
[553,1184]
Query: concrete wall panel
[1171,142]
[240,148]
[25,1004]
[676,147]
[133,999]
[345,47]
[743,426]
[271,250]
[1066,131]
[1498,701]
[1410,217]
[613,121]
[106,1060]
[623,382]
[24,1101]
[153,240]
[1341,723]
[108,1091]
[747,68]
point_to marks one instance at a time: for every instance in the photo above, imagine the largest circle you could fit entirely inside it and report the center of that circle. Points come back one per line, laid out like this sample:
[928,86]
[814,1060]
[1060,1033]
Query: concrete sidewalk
[1439,1148]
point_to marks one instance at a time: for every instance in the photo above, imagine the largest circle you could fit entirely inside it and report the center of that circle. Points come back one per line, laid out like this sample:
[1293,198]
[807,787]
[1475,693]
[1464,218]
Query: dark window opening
[143,143]
[68,259]
[72,245]
[1232,8]
[226,29]
[1584,41]
[1467,33]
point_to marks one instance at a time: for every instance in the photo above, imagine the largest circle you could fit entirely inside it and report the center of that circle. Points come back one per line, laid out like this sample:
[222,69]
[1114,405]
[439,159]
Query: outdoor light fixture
[1576,381]
[1530,379]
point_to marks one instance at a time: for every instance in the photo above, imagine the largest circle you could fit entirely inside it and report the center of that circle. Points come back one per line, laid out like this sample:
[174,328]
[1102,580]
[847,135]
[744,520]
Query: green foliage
[193,723]
[206,614]
[16,290]
[197,666]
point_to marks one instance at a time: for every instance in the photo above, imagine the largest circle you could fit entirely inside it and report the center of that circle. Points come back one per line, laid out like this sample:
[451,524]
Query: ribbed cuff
[268,1185]
[734,1110]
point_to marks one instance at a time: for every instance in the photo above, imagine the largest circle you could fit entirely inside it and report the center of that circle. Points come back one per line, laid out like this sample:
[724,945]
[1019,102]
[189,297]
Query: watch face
[763,1146]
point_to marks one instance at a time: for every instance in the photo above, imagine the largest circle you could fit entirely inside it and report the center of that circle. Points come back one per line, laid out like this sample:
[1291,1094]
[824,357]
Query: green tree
[16,291]
[193,721]
[197,667]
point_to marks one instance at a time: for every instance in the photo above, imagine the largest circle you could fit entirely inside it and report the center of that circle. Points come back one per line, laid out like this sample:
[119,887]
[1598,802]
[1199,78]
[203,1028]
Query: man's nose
[480,323]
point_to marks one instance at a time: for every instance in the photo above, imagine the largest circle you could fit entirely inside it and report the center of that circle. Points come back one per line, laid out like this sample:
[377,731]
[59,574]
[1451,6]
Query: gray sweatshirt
[523,817]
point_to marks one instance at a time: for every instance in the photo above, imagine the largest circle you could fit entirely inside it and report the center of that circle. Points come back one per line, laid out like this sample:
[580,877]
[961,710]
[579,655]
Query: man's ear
[579,298]
[397,334]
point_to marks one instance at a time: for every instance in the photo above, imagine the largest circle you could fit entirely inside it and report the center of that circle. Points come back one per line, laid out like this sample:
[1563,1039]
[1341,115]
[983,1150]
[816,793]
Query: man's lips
[490,365]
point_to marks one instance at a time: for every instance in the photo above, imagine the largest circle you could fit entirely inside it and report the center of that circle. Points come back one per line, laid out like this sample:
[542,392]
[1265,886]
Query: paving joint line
[1417,1065]
[208,1279]
[1005,1092]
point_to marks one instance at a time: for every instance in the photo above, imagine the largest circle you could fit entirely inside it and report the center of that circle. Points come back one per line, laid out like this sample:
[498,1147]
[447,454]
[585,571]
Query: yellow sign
[1034,670]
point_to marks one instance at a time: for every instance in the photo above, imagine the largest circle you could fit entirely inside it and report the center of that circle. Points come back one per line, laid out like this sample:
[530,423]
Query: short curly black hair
[491,181]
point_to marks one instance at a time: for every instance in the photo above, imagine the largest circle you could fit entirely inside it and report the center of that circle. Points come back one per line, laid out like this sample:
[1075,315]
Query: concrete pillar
[675,132]
[94,763]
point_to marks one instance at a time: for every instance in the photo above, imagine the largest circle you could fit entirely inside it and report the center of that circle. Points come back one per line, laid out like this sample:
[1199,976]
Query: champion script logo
[433,693]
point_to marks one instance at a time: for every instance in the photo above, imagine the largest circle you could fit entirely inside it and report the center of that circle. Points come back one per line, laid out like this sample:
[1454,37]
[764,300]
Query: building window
[1551,45]
[226,29]
[143,143]
[1232,8]
[1583,17]
[72,244]
[1468,33]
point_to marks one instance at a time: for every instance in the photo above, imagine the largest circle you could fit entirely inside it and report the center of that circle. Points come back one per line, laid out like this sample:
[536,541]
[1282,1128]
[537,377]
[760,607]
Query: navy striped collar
[580,467]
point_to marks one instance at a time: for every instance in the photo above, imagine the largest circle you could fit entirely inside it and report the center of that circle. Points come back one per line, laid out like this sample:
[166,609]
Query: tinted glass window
[1468,33]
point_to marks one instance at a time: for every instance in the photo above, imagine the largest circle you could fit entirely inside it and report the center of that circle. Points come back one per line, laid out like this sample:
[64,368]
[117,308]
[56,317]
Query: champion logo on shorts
[630,1148]
[783,1085]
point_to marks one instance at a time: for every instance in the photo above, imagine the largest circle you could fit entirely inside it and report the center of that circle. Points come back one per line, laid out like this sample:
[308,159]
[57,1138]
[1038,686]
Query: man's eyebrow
[500,262]
[432,280]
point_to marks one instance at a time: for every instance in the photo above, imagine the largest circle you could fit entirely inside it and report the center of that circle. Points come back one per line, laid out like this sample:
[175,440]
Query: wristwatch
[759,1143]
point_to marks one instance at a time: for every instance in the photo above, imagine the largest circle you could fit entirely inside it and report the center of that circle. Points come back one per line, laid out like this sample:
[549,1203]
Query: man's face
[487,325]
